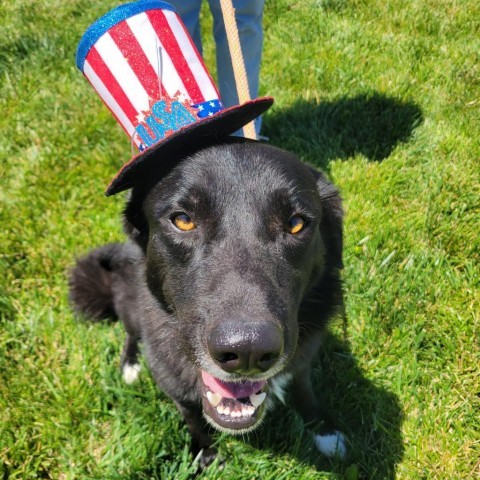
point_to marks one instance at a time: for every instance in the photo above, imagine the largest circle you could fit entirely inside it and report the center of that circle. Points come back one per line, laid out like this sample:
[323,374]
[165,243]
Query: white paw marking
[331,445]
[130,372]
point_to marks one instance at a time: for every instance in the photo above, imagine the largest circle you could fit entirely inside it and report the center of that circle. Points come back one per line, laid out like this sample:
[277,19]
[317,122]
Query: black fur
[240,266]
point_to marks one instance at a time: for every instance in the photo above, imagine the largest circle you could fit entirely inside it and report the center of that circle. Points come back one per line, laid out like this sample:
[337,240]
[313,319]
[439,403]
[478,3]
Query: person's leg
[249,16]
[189,11]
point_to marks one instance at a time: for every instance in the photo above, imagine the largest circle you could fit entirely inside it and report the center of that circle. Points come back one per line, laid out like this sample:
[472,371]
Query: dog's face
[235,237]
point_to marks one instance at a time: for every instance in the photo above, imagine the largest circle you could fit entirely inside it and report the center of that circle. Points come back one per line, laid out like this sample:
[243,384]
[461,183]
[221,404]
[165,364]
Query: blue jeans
[249,16]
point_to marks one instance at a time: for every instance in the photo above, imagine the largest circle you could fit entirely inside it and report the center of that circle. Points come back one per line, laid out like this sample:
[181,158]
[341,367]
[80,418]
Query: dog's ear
[331,227]
[134,221]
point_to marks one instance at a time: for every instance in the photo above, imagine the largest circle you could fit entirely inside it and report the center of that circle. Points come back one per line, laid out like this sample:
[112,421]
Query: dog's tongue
[229,389]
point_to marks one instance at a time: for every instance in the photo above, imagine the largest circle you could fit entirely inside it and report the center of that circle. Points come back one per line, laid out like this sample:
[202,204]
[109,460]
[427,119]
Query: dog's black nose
[241,347]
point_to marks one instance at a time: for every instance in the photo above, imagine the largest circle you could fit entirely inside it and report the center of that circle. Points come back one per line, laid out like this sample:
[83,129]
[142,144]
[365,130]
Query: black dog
[230,280]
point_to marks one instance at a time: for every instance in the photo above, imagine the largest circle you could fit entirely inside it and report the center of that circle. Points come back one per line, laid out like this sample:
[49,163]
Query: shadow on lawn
[369,415]
[371,125]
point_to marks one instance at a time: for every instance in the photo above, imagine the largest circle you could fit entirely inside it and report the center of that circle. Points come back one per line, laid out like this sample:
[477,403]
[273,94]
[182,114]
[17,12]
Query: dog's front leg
[328,440]
[129,363]
[201,439]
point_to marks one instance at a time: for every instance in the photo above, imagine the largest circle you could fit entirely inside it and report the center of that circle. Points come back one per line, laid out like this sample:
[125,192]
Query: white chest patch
[277,388]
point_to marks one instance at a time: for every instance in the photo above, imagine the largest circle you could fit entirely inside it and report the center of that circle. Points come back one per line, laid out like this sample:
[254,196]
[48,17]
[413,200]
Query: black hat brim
[217,126]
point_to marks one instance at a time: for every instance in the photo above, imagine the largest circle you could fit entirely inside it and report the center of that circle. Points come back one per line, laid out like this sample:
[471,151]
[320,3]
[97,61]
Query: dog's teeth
[214,398]
[257,399]
[245,410]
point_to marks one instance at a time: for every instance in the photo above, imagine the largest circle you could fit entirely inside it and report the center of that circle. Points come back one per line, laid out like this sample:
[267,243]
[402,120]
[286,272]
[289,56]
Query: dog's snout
[245,348]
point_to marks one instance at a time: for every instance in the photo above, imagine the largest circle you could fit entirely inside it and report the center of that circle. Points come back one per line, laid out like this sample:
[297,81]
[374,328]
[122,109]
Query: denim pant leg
[249,16]
[189,11]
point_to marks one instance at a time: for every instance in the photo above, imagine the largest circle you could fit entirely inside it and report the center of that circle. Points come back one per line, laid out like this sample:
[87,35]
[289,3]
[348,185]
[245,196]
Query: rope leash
[238,62]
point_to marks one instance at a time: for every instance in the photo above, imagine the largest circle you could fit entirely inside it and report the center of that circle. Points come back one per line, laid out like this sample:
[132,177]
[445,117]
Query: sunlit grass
[384,96]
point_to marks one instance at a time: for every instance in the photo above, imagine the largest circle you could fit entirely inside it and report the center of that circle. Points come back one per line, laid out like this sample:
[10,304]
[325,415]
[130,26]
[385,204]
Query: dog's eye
[296,224]
[183,222]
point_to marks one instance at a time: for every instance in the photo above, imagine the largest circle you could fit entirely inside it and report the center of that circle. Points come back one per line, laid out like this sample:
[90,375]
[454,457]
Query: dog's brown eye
[183,222]
[296,224]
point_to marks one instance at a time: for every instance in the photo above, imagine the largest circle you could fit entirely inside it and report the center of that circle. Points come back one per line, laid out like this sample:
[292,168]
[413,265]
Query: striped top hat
[143,64]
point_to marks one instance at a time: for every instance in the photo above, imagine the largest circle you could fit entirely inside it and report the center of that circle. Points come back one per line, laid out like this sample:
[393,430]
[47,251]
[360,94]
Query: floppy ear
[331,226]
[134,222]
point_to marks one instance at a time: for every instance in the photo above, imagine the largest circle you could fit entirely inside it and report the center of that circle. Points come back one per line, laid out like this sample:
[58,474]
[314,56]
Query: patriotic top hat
[142,62]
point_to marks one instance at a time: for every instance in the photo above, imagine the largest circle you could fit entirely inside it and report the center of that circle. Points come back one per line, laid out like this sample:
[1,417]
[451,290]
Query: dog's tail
[91,283]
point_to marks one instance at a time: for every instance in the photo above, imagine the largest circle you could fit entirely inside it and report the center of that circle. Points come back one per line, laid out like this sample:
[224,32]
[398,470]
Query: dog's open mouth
[235,407]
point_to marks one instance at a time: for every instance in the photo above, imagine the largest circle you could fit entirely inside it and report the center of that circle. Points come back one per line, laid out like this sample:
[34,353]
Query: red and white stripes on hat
[143,64]
[140,58]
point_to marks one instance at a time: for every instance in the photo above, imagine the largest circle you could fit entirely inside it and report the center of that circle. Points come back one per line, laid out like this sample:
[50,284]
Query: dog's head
[236,237]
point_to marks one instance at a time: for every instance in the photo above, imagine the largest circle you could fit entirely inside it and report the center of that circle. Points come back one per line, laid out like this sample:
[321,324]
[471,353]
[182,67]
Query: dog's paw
[207,456]
[331,445]
[130,372]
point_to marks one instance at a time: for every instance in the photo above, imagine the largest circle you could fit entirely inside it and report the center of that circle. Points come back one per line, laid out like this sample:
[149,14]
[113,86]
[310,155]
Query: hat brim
[217,126]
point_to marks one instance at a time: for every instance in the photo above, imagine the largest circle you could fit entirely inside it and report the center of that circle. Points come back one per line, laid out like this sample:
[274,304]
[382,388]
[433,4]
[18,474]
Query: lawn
[384,96]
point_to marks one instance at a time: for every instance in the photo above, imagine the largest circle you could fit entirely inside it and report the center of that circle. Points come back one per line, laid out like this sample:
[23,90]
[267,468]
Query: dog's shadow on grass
[369,416]
[369,124]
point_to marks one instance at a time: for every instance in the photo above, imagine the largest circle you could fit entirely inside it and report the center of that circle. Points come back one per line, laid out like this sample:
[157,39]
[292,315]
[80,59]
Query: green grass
[385,97]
